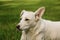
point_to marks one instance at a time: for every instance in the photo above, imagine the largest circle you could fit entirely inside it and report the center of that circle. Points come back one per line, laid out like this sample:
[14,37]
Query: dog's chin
[19,29]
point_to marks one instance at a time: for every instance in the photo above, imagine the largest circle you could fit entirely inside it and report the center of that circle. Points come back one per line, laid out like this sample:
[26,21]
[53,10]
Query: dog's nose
[18,26]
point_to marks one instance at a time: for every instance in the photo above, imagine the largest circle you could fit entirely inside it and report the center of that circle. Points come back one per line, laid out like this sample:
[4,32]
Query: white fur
[37,28]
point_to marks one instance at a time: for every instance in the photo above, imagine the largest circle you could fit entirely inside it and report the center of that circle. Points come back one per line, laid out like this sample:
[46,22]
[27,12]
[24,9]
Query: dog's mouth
[24,28]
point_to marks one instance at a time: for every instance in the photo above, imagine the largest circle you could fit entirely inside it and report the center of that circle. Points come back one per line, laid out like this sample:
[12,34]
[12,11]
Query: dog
[34,27]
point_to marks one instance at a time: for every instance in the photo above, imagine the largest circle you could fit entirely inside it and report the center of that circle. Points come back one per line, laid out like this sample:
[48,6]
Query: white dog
[35,28]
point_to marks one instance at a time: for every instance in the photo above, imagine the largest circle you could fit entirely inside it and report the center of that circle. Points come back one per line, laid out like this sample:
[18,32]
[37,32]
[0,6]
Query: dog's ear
[22,12]
[39,12]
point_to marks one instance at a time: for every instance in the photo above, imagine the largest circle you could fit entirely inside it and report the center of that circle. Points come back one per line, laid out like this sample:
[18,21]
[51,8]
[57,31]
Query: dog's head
[29,18]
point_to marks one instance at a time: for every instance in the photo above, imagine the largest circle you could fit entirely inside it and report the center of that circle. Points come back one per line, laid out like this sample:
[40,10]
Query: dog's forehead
[28,14]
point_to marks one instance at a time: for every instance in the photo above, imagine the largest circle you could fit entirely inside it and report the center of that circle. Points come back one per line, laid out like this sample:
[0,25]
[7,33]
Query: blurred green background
[10,14]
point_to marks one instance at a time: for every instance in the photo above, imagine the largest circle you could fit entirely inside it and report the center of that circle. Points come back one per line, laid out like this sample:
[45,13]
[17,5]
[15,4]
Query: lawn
[10,15]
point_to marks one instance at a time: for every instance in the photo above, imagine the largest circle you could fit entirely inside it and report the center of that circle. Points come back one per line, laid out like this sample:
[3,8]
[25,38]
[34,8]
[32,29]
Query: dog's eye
[26,19]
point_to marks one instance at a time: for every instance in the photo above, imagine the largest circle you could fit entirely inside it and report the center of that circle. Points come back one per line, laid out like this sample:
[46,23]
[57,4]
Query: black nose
[18,26]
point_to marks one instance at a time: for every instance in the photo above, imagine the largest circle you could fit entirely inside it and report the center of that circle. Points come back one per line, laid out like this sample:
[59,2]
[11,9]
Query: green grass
[10,15]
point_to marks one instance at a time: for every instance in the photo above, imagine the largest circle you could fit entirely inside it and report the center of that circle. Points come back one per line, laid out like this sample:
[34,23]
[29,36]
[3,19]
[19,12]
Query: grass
[10,15]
